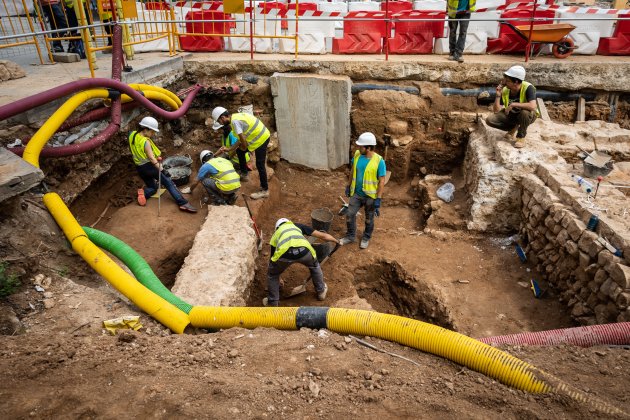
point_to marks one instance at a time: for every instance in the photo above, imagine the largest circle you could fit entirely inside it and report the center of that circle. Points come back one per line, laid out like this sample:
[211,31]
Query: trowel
[387,139]
[297,290]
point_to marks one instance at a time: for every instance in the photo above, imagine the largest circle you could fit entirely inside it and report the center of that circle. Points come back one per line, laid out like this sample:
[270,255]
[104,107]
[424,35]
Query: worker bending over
[289,246]
[218,177]
[365,189]
[519,110]
[253,136]
[145,155]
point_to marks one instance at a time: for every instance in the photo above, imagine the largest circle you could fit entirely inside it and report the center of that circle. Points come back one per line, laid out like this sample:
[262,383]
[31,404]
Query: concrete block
[313,118]
[222,261]
[16,175]
[64,57]
[621,275]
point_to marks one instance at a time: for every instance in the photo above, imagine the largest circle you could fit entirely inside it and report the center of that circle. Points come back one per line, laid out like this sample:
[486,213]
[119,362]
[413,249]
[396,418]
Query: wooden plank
[544,115]
[581,109]
[16,175]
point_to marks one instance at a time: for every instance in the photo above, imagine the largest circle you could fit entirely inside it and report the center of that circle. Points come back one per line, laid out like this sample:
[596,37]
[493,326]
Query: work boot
[459,59]
[509,136]
[266,302]
[520,143]
[232,199]
[322,295]
[142,200]
[245,177]
[187,207]
[451,57]
[260,194]
[346,240]
[364,243]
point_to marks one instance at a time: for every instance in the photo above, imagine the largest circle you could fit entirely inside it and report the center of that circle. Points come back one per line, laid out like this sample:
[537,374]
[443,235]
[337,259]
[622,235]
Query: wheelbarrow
[551,33]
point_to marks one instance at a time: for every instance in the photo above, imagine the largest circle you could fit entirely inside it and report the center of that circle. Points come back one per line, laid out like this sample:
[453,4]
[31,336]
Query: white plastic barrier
[312,33]
[476,43]
[490,25]
[364,6]
[439,5]
[149,15]
[587,32]
[481,5]
[334,7]
[261,27]
[314,43]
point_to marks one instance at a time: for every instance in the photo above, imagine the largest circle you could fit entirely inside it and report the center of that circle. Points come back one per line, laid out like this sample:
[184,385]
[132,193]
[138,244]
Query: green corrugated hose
[138,266]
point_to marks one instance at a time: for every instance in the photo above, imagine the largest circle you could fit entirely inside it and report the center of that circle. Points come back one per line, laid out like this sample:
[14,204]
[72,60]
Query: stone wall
[593,282]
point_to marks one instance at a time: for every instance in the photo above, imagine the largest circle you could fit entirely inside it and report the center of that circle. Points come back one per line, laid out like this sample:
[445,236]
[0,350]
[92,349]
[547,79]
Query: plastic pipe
[145,88]
[593,335]
[155,306]
[360,87]
[543,94]
[138,266]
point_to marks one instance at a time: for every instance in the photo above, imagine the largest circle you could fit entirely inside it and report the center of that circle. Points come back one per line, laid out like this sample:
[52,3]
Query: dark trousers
[56,20]
[356,202]
[219,197]
[108,31]
[507,122]
[242,160]
[76,45]
[149,174]
[278,267]
[456,43]
[261,161]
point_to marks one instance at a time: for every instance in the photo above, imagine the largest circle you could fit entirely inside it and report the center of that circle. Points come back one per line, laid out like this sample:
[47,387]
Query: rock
[49,303]
[9,322]
[423,170]
[397,127]
[9,71]
[314,388]
[368,375]
[178,141]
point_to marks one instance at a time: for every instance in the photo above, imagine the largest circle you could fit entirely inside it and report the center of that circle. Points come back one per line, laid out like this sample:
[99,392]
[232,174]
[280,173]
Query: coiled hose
[138,266]
[593,335]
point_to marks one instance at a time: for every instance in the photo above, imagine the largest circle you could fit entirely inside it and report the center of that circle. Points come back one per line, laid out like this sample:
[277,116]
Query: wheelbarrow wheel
[563,48]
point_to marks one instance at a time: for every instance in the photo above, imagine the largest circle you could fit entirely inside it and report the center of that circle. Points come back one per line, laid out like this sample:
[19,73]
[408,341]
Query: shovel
[297,290]
[388,140]
[256,229]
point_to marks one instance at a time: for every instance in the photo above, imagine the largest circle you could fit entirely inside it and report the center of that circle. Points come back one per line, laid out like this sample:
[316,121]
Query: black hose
[545,95]
[360,87]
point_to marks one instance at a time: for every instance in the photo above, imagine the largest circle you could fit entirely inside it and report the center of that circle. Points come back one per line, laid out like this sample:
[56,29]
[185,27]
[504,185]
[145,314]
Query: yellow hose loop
[149,302]
[156,96]
[41,137]
[439,341]
[221,317]
[145,88]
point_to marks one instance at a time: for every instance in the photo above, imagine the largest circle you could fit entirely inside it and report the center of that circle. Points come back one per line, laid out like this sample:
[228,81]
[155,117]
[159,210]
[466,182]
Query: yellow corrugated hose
[148,88]
[153,95]
[220,317]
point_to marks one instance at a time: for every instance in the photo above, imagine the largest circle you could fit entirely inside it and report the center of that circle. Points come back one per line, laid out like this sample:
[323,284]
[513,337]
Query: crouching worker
[289,246]
[218,177]
[145,155]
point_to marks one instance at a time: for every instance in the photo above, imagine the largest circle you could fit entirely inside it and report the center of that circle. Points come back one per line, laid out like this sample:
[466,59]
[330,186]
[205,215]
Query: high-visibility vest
[70,3]
[454,4]
[288,236]
[370,176]
[505,95]
[226,179]
[256,134]
[226,144]
[136,144]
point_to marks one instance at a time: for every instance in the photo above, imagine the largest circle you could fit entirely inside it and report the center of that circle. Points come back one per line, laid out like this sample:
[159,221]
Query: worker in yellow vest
[458,16]
[515,106]
[253,136]
[228,139]
[289,246]
[145,155]
[218,177]
[76,45]
[365,188]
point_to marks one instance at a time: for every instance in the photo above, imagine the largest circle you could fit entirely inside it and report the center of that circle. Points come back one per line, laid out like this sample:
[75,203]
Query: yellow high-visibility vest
[226,144]
[227,179]
[288,236]
[453,5]
[370,176]
[256,134]
[505,95]
[136,144]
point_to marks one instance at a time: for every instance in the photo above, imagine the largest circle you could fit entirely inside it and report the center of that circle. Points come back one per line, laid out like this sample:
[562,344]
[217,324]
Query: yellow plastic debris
[129,322]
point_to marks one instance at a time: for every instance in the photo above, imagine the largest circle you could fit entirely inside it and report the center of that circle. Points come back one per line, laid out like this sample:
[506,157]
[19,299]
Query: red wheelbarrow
[551,33]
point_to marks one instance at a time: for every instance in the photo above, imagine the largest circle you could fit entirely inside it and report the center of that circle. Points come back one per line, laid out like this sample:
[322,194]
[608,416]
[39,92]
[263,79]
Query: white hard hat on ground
[216,113]
[366,139]
[150,123]
[207,154]
[518,72]
[281,221]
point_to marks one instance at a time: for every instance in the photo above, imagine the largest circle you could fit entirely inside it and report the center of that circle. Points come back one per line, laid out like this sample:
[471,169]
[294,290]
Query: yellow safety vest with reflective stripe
[256,133]
[136,144]
[227,179]
[70,3]
[370,176]
[453,5]
[288,236]
[226,144]
[505,95]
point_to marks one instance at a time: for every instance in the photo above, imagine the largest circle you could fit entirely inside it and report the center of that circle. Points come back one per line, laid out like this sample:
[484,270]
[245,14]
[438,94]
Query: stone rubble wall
[593,282]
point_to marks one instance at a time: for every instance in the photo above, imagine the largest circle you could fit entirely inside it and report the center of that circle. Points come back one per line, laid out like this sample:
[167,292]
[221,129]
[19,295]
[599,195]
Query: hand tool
[387,139]
[259,233]
[302,287]
[159,159]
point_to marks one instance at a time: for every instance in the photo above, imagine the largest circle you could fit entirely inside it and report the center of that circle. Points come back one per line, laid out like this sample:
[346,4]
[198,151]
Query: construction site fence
[42,28]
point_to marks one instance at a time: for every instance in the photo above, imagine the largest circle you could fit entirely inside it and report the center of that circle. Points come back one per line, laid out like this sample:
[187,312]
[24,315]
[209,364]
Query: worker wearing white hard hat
[289,246]
[145,155]
[515,106]
[365,188]
[218,177]
[253,136]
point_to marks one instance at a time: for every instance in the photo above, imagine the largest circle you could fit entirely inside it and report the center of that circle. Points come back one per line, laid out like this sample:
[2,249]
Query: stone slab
[222,261]
[64,57]
[16,175]
[313,118]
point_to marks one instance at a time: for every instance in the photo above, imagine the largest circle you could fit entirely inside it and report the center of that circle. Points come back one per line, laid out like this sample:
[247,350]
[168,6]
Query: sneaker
[460,59]
[58,49]
[245,177]
[187,207]
[451,57]
[520,143]
[364,243]
[510,134]
[346,240]
[322,295]
[142,200]
[260,194]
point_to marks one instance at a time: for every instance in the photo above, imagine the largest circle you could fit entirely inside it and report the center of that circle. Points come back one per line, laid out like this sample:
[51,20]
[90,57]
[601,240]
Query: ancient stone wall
[594,283]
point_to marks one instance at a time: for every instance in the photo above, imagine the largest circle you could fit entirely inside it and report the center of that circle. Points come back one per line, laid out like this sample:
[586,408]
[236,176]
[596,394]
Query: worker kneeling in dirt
[218,178]
[367,181]
[520,109]
[145,155]
[288,246]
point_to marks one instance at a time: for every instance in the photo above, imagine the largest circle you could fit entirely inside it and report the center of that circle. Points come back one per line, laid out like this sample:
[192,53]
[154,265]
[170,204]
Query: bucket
[321,219]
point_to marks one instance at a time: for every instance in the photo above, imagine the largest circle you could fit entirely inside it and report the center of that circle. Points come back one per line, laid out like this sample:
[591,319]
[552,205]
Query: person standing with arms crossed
[458,15]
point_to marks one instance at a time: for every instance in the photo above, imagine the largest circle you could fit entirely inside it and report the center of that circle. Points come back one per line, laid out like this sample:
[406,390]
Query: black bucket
[321,219]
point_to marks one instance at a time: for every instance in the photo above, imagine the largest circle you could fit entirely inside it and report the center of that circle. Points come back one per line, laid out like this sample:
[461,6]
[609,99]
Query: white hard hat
[366,139]
[517,72]
[281,221]
[216,113]
[204,154]
[150,123]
